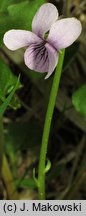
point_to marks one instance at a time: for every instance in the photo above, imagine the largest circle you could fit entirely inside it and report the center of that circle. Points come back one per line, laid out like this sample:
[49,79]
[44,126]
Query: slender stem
[47,125]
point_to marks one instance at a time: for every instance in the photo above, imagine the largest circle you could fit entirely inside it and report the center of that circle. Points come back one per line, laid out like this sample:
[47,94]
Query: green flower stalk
[47,125]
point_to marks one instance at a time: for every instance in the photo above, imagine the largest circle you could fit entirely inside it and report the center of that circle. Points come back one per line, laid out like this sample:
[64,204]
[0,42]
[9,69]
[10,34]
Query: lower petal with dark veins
[36,57]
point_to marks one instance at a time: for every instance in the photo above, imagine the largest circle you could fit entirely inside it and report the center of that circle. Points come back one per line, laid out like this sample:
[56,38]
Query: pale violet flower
[42,53]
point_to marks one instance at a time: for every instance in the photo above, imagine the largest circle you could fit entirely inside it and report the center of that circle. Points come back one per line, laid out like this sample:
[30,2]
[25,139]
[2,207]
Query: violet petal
[15,39]
[64,32]
[44,18]
[53,59]
[36,58]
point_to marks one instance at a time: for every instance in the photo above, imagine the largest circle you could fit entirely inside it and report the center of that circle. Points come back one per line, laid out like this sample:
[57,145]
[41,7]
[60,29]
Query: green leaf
[5,104]
[79,100]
